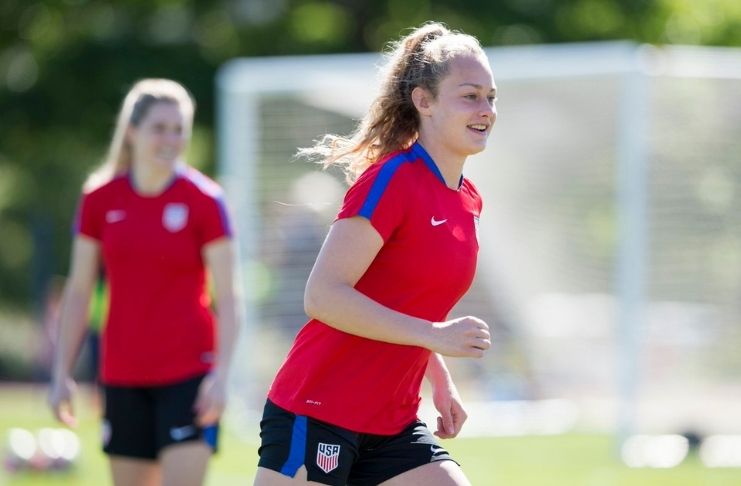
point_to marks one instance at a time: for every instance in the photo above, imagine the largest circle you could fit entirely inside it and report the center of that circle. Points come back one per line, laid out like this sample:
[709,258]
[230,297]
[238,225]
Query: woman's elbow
[318,298]
[311,301]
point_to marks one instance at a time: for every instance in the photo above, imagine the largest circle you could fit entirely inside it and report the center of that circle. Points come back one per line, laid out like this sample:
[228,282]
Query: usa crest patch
[328,457]
[175,217]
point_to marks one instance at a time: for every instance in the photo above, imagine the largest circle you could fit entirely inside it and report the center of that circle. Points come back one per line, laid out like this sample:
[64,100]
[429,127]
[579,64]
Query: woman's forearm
[346,309]
[437,371]
[228,331]
[72,328]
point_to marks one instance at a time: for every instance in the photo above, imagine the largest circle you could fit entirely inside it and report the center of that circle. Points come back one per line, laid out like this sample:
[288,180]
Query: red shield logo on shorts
[328,457]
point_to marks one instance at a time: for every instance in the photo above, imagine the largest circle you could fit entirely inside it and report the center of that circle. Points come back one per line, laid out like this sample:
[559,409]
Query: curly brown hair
[421,58]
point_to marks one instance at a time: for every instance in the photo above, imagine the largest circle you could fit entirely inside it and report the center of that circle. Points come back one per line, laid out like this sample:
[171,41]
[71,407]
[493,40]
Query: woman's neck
[449,164]
[150,181]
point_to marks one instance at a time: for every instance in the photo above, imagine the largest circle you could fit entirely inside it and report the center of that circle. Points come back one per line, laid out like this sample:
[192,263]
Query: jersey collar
[176,174]
[420,152]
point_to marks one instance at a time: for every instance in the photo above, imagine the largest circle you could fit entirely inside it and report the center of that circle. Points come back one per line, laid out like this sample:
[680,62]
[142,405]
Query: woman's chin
[164,164]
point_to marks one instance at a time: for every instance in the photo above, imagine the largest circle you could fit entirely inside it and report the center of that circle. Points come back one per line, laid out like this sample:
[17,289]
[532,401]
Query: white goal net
[610,263]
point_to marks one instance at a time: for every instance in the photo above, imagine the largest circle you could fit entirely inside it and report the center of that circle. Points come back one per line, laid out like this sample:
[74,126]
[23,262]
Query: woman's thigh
[127,471]
[268,477]
[441,473]
[185,464]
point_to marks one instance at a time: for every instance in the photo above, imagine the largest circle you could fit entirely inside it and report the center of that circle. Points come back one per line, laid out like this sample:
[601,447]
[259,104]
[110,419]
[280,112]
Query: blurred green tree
[65,65]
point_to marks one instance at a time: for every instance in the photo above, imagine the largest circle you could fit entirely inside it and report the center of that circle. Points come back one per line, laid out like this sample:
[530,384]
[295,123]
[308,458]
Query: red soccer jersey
[159,327]
[425,266]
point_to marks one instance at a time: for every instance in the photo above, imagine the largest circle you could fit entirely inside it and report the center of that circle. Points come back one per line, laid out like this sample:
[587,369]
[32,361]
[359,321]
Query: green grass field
[570,460]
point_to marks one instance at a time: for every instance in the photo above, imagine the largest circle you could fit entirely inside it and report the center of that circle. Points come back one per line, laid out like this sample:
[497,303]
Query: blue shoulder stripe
[210,188]
[381,183]
[224,215]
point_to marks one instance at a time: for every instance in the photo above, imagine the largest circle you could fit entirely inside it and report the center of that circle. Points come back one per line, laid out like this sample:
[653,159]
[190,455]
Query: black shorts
[336,456]
[140,421]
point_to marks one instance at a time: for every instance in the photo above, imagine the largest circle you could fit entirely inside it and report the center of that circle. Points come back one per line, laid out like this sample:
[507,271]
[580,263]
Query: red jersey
[159,328]
[426,264]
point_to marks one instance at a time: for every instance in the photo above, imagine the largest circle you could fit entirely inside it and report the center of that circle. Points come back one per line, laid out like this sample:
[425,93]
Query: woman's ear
[422,100]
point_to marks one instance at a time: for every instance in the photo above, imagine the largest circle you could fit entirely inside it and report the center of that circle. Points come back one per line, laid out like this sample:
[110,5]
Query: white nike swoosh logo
[115,216]
[435,222]
[180,433]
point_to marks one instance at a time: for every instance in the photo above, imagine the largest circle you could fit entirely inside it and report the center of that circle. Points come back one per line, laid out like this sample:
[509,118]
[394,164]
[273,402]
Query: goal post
[605,183]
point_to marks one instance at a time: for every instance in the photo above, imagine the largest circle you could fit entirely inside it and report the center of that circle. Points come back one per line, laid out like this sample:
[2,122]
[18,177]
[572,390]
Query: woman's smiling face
[161,136]
[462,114]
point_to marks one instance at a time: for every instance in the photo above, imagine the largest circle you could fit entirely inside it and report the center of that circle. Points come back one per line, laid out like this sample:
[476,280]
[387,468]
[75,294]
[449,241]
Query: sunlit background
[610,263]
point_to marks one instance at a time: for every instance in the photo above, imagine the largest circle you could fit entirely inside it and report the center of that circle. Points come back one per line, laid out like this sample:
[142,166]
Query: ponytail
[392,123]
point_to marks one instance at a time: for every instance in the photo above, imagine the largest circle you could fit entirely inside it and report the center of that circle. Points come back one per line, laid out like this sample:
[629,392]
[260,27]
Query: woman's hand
[211,400]
[60,400]
[452,414]
[464,337]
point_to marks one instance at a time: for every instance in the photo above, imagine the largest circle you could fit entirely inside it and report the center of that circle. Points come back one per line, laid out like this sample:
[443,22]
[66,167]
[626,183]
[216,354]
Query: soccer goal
[610,261]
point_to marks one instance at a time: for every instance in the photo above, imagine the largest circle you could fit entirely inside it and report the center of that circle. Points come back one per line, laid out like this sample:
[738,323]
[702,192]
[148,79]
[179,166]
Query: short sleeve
[378,195]
[88,220]
[214,219]
[475,197]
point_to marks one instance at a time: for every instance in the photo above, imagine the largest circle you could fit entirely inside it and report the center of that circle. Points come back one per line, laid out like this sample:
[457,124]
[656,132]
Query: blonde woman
[343,407]
[156,225]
